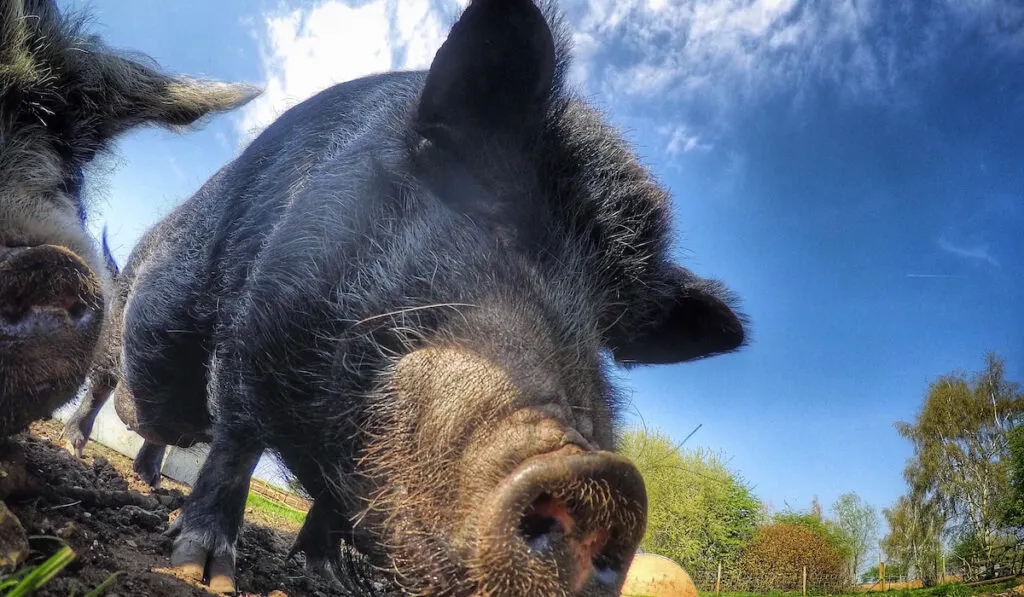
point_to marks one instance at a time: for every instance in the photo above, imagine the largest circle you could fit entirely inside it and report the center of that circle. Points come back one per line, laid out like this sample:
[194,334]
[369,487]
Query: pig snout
[46,292]
[564,523]
[51,312]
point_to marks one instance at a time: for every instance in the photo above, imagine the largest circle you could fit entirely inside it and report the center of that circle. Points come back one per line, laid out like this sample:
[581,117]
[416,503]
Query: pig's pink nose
[567,523]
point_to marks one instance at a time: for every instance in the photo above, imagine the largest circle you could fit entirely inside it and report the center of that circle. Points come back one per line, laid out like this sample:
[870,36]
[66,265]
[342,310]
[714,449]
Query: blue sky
[854,170]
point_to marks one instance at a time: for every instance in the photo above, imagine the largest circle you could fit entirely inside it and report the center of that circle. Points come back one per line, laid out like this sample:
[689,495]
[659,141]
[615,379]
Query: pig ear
[493,73]
[691,318]
[134,94]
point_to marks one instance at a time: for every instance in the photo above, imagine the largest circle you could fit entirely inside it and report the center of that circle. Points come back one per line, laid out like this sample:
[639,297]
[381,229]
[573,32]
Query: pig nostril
[77,310]
[605,571]
[11,315]
[537,524]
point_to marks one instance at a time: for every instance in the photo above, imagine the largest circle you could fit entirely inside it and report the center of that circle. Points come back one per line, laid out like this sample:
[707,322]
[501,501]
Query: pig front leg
[149,462]
[325,527]
[79,426]
[320,538]
[207,529]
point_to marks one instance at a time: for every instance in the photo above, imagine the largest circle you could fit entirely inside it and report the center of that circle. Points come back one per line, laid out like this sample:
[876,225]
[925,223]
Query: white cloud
[709,57]
[998,20]
[975,252]
[681,140]
[720,51]
[304,51]
[699,58]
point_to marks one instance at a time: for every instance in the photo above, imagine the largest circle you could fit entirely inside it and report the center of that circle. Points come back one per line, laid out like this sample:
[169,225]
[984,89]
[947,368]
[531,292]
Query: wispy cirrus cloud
[977,252]
[703,62]
[933,276]
[693,63]
[681,140]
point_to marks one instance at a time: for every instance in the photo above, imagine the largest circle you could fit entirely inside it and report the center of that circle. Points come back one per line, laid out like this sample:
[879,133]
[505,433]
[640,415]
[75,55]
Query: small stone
[132,544]
[172,501]
[151,521]
[14,477]
[67,531]
[277,594]
[13,540]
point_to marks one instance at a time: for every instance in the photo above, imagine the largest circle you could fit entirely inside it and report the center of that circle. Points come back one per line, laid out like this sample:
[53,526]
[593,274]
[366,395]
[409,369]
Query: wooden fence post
[805,581]
[718,581]
[881,572]
[880,567]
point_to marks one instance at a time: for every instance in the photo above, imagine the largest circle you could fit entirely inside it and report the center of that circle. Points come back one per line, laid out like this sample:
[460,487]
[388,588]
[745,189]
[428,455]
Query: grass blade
[104,585]
[41,575]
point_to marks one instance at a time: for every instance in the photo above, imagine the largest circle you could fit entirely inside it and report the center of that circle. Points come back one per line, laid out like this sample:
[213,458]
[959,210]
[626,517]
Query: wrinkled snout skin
[51,316]
[513,467]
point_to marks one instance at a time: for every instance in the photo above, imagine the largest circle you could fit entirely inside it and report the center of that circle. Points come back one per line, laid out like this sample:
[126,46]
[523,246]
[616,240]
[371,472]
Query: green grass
[959,589]
[26,580]
[946,590]
[743,594]
[280,510]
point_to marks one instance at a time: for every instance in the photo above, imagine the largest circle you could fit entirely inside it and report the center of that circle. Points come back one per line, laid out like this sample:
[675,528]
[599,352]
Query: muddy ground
[128,538]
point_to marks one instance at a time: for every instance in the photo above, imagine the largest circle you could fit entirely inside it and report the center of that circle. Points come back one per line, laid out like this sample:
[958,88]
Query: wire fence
[1000,560]
[997,564]
[804,580]
[286,498]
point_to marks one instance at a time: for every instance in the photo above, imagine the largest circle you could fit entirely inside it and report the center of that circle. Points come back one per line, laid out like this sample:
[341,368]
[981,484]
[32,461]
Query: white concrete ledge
[182,465]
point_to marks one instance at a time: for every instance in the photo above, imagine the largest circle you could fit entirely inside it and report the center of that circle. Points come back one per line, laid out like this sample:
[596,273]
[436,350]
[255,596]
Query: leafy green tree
[815,521]
[1013,508]
[961,454]
[858,522]
[914,542]
[700,513]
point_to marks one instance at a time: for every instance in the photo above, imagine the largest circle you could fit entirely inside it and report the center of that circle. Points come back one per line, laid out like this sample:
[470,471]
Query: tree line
[964,507]
[705,516]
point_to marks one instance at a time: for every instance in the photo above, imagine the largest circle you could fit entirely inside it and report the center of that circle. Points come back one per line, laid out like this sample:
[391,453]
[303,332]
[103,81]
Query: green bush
[779,553]
[700,514]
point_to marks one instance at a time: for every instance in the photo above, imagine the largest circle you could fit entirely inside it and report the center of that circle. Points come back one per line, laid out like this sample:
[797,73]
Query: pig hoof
[148,463]
[152,480]
[323,558]
[194,559]
[75,440]
[174,529]
[189,559]
[316,563]
[324,568]
[222,574]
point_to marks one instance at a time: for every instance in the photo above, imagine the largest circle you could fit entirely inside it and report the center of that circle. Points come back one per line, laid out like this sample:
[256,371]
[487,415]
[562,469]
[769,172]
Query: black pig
[64,97]
[408,287]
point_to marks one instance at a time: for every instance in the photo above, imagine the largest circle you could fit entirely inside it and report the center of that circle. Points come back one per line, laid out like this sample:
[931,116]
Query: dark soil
[115,537]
